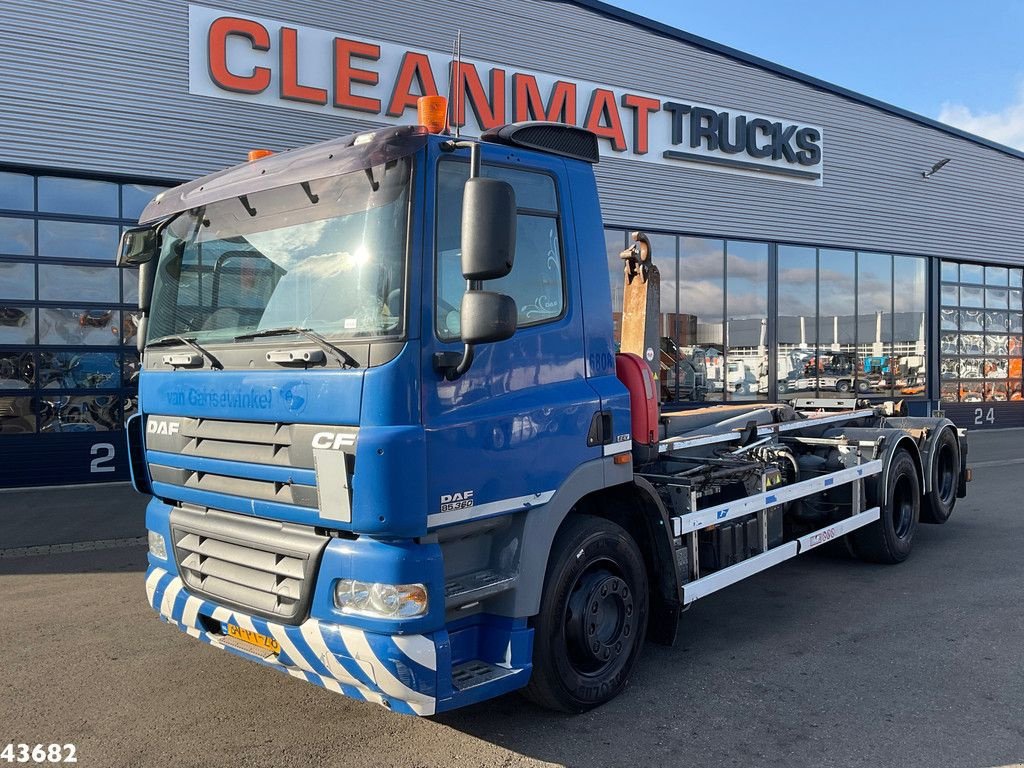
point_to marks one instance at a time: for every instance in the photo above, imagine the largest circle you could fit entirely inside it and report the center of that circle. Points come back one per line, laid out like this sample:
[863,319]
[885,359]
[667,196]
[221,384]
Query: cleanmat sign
[267,61]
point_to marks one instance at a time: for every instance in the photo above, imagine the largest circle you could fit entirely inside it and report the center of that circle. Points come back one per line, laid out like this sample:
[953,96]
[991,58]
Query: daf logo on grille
[155,427]
[333,440]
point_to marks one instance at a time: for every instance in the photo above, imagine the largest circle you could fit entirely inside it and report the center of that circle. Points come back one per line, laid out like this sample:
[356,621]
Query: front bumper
[398,672]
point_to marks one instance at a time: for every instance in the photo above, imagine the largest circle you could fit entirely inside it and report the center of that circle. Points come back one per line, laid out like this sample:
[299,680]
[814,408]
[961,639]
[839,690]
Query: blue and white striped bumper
[398,672]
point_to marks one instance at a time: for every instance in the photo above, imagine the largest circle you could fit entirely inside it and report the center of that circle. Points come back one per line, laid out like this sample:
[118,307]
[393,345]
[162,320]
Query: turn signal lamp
[258,154]
[432,113]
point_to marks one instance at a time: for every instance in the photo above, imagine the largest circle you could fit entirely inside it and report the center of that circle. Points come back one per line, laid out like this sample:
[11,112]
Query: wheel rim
[945,477]
[600,621]
[902,505]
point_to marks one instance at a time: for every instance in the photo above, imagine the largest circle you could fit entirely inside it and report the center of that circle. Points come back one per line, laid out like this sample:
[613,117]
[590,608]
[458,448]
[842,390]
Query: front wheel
[593,617]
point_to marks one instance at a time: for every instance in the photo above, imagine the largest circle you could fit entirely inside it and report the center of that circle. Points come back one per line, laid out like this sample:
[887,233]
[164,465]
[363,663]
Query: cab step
[470,674]
[474,587]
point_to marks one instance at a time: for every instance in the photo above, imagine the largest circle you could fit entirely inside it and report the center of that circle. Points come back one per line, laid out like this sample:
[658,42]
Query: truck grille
[260,566]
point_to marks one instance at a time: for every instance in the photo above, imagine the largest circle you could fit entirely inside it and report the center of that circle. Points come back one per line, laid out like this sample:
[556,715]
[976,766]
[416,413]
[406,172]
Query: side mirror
[138,245]
[487,317]
[488,229]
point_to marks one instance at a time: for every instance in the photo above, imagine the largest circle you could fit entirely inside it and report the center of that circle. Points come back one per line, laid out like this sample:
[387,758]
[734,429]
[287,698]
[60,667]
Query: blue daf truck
[394,449]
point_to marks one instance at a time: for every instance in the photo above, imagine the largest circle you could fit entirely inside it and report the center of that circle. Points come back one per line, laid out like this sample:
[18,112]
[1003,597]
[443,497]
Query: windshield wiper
[166,341]
[342,356]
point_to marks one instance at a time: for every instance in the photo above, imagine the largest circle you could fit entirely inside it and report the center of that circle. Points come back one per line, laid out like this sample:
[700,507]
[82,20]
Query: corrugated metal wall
[104,86]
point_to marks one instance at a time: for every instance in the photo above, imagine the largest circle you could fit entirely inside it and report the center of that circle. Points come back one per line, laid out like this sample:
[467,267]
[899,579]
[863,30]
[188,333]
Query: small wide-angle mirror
[138,245]
[488,229]
[487,317]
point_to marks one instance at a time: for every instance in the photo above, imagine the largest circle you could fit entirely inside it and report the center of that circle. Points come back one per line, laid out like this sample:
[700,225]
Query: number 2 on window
[981,416]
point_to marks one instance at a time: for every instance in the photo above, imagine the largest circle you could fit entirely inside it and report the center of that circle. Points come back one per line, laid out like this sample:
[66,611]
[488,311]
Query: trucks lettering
[156,427]
[453,501]
[333,440]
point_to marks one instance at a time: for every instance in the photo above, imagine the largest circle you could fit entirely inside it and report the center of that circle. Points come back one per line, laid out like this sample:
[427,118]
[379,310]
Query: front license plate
[252,642]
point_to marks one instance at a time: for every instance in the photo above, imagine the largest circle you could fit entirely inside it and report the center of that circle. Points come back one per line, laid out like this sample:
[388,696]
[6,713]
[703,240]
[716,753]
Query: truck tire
[945,479]
[890,538]
[593,617]
[842,385]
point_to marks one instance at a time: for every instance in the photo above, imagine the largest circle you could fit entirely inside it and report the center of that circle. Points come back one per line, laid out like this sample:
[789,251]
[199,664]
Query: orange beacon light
[432,113]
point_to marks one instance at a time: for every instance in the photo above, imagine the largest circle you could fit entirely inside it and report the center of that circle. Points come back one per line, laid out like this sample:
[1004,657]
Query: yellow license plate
[254,638]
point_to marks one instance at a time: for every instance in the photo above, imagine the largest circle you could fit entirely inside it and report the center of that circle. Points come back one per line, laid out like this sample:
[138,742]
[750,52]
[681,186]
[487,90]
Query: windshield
[326,255]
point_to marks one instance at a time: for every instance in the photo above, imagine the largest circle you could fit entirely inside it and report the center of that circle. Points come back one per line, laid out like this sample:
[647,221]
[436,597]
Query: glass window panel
[995,391]
[971,367]
[17,192]
[997,322]
[16,415]
[834,367]
[78,240]
[949,344]
[877,369]
[995,368]
[78,413]
[997,345]
[950,295]
[950,368]
[1016,277]
[997,276]
[129,407]
[996,298]
[17,369]
[129,327]
[17,236]
[135,197]
[910,327]
[971,296]
[797,330]
[17,280]
[67,283]
[1016,322]
[17,325]
[130,286]
[1014,346]
[746,282]
[79,370]
[972,273]
[949,319]
[92,327]
[950,272]
[701,301]
[971,319]
[1015,300]
[614,243]
[86,197]
[130,370]
[950,392]
[972,344]
[533,190]
[971,391]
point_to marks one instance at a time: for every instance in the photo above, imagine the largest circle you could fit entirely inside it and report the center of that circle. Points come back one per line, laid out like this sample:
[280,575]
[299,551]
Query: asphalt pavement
[823,661]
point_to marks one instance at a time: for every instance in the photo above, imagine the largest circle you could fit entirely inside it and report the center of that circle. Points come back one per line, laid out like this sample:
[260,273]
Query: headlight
[157,545]
[380,601]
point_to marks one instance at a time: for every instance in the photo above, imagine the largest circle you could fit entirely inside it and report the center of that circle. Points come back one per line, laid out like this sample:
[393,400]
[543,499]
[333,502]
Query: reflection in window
[78,240]
[135,197]
[58,282]
[910,327]
[78,413]
[90,327]
[17,280]
[17,192]
[876,367]
[129,286]
[614,243]
[701,303]
[16,415]
[835,366]
[17,369]
[746,298]
[17,237]
[17,325]
[83,197]
[79,370]
[797,326]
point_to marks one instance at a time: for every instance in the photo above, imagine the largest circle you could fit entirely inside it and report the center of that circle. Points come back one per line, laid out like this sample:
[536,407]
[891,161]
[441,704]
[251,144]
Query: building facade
[811,241]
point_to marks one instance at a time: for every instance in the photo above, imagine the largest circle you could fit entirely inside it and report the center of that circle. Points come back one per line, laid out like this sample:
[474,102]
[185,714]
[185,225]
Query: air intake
[556,138]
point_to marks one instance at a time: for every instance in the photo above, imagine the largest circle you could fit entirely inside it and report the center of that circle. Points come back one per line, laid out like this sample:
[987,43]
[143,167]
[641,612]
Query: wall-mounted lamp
[935,168]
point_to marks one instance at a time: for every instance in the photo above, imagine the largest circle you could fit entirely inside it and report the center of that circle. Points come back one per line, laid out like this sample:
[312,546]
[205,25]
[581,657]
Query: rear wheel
[842,385]
[890,538]
[593,617]
[945,479]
